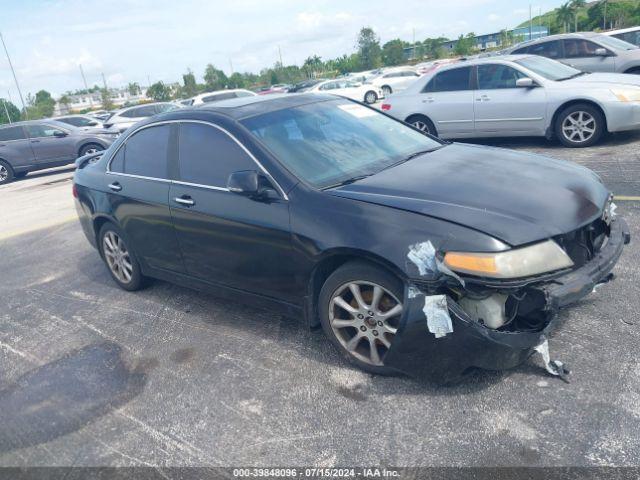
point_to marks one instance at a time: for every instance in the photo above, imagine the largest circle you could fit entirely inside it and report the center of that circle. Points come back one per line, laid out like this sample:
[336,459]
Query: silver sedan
[520,95]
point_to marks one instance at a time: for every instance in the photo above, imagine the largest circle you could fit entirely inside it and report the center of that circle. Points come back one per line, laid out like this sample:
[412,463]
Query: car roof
[482,60]
[559,36]
[216,92]
[52,121]
[244,107]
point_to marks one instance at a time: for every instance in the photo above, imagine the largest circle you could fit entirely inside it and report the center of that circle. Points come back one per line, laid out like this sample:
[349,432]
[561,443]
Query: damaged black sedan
[414,255]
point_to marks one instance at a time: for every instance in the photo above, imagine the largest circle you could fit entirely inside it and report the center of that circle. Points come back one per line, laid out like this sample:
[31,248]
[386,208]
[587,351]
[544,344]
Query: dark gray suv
[36,145]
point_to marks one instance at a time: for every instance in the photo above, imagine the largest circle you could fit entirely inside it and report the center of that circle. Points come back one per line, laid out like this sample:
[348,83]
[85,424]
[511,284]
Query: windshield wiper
[348,181]
[413,155]
[579,74]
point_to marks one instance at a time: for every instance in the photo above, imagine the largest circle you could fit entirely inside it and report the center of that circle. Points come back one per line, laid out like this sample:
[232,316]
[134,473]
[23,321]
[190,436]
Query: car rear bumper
[416,351]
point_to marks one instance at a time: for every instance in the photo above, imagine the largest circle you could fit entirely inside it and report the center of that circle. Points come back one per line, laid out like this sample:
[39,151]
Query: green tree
[189,87]
[465,44]
[159,92]
[7,107]
[105,99]
[40,106]
[369,51]
[214,79]
[237,80]
[393,52]
[576,5]
[313,65]
[134,89]
[506,38]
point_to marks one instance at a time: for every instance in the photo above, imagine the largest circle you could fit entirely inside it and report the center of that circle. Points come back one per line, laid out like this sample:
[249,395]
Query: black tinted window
[450,80]
[494,76]
[547,49]
[42,130]
[117,163]
[578,47]
[218,97]
[11,133]
[208,155]
[146,152]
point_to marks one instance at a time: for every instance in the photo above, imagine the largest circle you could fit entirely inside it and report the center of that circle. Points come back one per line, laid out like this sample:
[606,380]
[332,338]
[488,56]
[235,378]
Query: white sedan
[395,79]
[362,92]
[520,95]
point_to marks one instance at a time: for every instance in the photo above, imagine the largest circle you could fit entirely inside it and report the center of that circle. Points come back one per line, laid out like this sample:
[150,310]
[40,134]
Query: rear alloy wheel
[91,148]
[361,311]
[6,172]
[370,97]
[387,90]
[579,126]
[122,263]
[423,124]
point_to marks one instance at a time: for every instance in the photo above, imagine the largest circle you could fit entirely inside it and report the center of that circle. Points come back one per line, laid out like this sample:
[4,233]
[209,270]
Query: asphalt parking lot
[91,375]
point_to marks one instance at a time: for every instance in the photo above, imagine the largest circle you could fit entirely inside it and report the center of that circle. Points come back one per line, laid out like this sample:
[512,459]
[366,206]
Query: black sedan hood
[516,197]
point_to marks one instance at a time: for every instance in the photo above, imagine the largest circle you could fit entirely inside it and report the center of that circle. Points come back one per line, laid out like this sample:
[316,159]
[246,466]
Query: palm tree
[565,15]
[576,5]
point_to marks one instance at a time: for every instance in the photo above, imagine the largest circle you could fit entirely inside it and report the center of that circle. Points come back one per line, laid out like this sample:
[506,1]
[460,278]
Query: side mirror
[601,52]
[250,183]
[524,83]
[93,124]
[59,133]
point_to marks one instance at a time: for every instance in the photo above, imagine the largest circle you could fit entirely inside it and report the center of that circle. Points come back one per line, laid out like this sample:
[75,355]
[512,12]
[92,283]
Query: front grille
[584,243]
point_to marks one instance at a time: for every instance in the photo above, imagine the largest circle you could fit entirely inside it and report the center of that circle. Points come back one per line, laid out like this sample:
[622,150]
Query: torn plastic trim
[554,367]
[423,255]
[436,310]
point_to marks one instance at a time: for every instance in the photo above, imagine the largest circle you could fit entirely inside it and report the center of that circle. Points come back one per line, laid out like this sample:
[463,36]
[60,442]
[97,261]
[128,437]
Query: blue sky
[138,40]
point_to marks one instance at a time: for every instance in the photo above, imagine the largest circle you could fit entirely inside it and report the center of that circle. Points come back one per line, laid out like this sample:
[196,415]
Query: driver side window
[495,76]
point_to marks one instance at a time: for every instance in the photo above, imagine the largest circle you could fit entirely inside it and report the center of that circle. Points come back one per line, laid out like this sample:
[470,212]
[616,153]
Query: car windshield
[331,142]
[615,43]
[547,68]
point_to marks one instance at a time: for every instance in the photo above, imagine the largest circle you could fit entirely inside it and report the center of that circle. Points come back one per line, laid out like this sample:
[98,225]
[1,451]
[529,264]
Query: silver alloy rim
[117,256]
[364,318]
[422,126]
[4,173]
[370,97]
[579,127]
[92,150]
[386,90]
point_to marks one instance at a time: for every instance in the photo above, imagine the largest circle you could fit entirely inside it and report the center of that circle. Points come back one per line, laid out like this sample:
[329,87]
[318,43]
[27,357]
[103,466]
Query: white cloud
[493,17]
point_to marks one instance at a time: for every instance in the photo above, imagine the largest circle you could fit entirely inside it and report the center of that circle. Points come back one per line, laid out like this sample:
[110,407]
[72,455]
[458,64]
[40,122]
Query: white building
[93,101]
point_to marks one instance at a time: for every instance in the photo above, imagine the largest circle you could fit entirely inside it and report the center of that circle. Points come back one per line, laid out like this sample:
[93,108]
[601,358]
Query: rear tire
[120,259]
[386,89]
[6,173]
[358,327]
[580,125]
[90,148]
[423,124]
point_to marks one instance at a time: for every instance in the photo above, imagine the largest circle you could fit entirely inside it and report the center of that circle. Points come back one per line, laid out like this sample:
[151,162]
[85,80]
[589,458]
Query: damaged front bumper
[439,341]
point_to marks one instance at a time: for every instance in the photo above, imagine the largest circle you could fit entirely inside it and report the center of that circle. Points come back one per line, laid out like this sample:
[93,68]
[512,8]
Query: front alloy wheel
[364,318]
[580,125]
[370,98]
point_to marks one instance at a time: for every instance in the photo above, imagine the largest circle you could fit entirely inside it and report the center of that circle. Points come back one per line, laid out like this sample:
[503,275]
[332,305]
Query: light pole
[15,79]
[84,80]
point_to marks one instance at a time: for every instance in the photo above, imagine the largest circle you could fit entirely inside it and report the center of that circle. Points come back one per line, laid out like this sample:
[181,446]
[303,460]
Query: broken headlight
[520,262]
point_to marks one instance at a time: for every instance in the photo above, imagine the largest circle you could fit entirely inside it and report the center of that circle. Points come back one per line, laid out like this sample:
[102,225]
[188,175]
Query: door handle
[185,200]
[115,186]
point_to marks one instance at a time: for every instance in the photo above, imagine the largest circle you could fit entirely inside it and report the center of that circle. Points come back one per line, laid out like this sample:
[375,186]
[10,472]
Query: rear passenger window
[145,153]
[208,156]
[11,133]
[450,80]
[547,49]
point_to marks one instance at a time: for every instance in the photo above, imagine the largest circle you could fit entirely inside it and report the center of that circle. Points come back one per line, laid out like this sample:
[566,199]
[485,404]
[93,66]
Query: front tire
[6,173]
[360,308]
[370,97]
[120,259]
[580,125]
